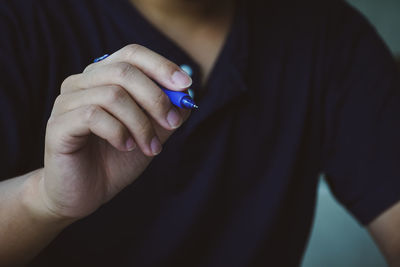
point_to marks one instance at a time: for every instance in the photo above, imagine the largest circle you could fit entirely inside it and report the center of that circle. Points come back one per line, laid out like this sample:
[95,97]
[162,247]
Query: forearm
[386,231]
[24,228]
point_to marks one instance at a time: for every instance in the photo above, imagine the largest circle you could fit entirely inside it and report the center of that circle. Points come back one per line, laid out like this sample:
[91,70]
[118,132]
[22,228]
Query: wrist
[34,202]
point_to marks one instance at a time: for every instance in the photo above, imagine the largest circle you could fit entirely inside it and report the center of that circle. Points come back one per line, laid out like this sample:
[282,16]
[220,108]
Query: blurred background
[337,239]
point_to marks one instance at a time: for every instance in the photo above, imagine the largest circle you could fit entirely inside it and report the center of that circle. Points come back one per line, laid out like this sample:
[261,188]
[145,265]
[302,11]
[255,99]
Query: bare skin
[99,139]
[200,30]
[386,231]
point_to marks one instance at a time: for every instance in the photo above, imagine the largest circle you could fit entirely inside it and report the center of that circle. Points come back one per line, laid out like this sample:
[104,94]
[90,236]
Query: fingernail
[181,79]
[174,118]
[130,144]
[155,146]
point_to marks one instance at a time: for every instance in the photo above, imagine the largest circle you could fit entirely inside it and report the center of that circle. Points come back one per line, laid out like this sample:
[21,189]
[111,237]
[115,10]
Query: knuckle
[67,83]
[115,94]
[131,50]
[58,104]
[90,113]
[88,68]
[165,68]
[167,65]
[145,129]
[58,101]
[51,122]
[119,133]
[124,70]
[161,103]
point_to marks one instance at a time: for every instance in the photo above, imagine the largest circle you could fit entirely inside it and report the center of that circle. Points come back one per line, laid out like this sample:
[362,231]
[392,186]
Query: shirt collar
[227,80]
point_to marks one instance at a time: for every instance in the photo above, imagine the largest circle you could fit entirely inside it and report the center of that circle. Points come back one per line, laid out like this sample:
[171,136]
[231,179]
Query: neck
[189,11]
[198,26]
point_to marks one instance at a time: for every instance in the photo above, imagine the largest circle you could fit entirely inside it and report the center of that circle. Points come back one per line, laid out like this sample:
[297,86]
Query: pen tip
[188,103]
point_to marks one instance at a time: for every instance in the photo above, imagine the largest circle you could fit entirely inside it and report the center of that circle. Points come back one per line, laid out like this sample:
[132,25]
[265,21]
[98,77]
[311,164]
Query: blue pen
[179,99]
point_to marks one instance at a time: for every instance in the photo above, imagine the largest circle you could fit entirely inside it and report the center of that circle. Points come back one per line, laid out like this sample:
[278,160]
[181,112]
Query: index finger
[155,66]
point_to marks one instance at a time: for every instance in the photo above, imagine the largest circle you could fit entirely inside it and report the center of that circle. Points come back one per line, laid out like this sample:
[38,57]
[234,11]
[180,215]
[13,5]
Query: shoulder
[35,13]
[304,15]
[32,27]
[31,6]
[331,30]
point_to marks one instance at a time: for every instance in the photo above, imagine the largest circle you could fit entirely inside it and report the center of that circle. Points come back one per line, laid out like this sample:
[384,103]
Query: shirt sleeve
[18,125]
[361,147]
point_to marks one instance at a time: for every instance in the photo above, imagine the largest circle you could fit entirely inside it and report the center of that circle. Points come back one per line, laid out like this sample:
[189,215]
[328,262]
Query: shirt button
[187,69]
[191,93]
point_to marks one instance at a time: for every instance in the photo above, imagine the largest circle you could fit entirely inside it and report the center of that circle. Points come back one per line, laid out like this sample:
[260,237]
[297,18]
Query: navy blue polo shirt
[300,88]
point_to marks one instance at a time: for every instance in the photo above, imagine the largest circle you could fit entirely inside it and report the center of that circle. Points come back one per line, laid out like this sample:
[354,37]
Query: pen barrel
[177,97]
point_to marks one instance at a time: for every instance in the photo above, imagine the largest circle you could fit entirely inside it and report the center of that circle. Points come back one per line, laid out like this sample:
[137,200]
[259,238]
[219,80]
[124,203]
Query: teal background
[337,239]
[385,16]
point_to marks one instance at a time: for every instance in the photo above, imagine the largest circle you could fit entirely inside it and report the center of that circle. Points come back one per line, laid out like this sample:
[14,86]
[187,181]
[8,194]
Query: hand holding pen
[105,127]
[179,99]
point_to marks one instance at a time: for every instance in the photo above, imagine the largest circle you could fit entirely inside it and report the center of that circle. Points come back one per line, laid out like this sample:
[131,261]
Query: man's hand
[105,127]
